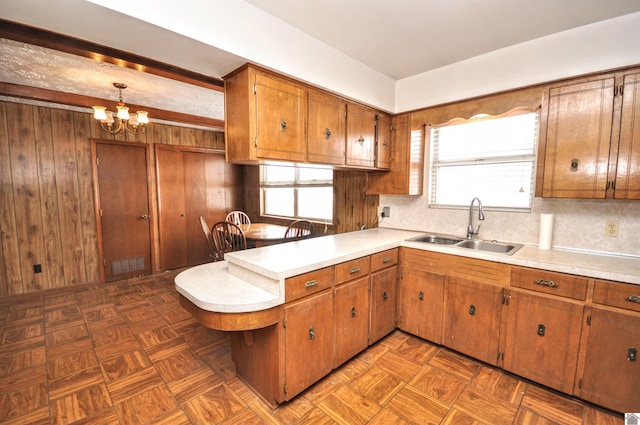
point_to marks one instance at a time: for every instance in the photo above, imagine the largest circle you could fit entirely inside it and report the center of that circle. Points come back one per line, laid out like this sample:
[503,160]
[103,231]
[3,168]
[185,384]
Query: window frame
[296,185]
[530,157]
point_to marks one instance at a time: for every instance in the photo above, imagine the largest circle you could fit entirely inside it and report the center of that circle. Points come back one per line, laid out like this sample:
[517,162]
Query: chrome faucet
[470,231]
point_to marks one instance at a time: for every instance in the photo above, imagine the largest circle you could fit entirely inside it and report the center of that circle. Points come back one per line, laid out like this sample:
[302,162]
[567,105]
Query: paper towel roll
[546,231]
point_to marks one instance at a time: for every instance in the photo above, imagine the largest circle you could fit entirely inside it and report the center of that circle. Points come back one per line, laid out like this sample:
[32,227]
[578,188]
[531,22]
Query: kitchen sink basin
[436,239]
[477,244]
[504,248]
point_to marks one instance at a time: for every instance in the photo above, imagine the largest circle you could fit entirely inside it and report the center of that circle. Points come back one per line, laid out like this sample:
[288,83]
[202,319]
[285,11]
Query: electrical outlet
[611,228]
[386,211]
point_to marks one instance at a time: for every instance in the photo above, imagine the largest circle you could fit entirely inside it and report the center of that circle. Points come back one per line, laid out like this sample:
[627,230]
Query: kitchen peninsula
[285,303]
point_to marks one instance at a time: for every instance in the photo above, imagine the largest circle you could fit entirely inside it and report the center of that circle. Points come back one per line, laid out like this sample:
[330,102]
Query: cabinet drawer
[308,283]
[622,295]
[564,285]
[352,269]
[384,259]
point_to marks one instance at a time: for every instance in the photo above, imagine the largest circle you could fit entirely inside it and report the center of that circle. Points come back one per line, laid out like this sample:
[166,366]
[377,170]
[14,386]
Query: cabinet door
[576,127]
[352,319]
[405,175]
[383,141]
[542,341]
[383,303]
[420,303]
[472,318]
[327,128]
[627,185]
[308,341]
[361,129]
[281,117]
[612,369]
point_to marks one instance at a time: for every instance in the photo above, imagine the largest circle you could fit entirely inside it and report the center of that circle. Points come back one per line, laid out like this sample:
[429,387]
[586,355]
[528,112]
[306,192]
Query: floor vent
[127,265]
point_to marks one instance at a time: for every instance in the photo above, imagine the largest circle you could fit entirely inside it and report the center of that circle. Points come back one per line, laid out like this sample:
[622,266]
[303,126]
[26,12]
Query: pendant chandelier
[124,121]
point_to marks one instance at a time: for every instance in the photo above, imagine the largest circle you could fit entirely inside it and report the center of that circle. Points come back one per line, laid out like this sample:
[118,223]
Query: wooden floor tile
[70,363]
[13,362]
[148,407]
[500,384]
[485,407]
[75,382]
[346,406]
[456,417]
[417,350]
[16,333]
[153,337]
[415,407]
[124,364]
[67,335]
[377,385]
[80,405]
[214,406]
[397,364]
[455,364]
[553,406]
[387,417]
[202,380]
[20,401]
[111,335]
[31,376]
[179,365]
[39,416]
[315,417]
[134,384]
[438,384]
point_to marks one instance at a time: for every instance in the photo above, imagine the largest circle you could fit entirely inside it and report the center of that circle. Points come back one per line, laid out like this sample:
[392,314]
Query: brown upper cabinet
[266,117]
[383,141]
[327,128]
[589,144]
[270,117]
[361,135]
[406,168]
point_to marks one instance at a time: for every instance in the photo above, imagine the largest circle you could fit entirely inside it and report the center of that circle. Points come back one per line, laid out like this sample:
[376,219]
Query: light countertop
[253,279]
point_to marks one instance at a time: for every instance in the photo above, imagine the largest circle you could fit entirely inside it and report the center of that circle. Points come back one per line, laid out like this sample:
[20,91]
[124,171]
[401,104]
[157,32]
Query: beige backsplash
[578,224]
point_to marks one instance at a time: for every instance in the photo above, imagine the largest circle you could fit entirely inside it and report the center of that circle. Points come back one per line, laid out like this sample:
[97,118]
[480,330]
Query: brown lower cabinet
[472,318]
[543,337]
[577,335]
[308,336]
[574,334]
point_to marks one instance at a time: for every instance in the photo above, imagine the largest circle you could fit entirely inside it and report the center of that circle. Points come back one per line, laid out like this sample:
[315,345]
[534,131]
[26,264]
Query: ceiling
[402,38]
[398,39]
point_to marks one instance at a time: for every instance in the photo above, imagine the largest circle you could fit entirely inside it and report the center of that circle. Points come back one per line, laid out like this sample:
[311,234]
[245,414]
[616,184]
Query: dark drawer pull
[354,313]
[548,283]
[354,270]
[386,259]
[632,354]
[472,310]
[310,283]
[385,296]
[421,295]
[541,329]
[633,299]
[312,333]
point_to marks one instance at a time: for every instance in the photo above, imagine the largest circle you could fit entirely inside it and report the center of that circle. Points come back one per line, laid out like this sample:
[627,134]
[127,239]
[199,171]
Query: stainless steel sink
[504,248]
[436,239]
[477,244]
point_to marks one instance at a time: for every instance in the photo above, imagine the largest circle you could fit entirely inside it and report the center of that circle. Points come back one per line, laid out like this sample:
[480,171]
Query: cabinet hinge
[505,298]
[589,320]
[255,88]
[286,390]
[97,161]
[100,212]
[580,383]
[500,355]
[255,142]
[284,322]
[618,91]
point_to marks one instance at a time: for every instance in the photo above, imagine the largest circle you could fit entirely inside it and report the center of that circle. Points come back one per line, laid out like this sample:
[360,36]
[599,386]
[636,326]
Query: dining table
[263,234]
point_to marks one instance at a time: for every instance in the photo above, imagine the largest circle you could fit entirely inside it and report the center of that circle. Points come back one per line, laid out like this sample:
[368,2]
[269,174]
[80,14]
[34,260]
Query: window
[297,192]
[489,157]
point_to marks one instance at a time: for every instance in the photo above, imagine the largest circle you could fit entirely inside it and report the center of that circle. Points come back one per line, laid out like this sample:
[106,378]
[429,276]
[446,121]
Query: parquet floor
[127,353]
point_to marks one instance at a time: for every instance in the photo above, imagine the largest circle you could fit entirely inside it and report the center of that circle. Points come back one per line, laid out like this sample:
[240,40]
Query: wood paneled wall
[46,193]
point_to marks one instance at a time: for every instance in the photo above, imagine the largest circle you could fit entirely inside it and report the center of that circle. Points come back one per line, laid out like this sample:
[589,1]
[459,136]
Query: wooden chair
[240,219]
[299,229]
[227,237]
[213,253]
